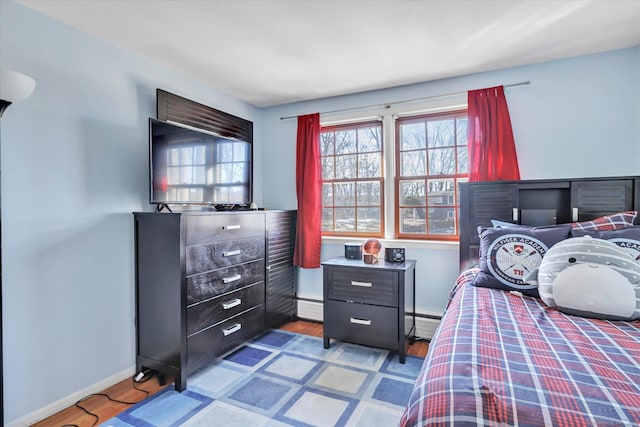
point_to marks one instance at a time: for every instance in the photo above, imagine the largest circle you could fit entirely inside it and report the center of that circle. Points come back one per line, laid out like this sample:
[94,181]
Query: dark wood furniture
[203,285]
[540,202]
[366,303]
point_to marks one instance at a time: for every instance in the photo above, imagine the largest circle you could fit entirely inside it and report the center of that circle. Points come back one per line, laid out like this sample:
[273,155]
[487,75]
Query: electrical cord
[147,376]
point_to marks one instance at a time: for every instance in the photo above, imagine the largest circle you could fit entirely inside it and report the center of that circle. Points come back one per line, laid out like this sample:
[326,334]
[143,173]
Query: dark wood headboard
[539,202]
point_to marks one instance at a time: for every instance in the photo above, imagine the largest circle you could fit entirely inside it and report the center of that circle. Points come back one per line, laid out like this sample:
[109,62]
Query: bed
[504,357]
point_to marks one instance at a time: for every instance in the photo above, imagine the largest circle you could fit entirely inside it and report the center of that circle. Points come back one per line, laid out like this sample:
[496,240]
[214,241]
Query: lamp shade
[14,86]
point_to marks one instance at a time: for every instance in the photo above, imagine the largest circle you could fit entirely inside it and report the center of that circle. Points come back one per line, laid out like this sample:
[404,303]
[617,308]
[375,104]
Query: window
[431,160]
[352,180]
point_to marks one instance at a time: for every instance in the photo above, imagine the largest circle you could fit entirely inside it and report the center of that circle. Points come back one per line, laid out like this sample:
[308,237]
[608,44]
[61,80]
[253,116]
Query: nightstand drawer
[364,286]
[362,324]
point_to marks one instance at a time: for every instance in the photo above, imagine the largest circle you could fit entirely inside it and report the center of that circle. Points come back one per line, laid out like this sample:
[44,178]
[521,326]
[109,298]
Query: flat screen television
[193,166]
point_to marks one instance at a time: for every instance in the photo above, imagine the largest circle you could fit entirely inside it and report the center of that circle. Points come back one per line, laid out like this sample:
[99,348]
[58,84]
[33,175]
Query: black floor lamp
[14,87]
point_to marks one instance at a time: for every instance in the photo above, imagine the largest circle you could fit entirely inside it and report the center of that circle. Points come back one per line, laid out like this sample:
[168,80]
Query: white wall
[579,117]
[74,167]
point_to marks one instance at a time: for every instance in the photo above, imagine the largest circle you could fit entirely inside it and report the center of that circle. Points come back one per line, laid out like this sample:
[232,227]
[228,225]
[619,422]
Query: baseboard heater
[426,325]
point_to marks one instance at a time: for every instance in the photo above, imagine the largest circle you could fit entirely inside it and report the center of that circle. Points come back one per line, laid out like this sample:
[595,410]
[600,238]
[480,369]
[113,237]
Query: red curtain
[492,151]
[309,191]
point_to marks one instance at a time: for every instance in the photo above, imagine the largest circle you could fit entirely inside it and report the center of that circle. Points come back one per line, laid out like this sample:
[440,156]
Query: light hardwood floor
[125,391]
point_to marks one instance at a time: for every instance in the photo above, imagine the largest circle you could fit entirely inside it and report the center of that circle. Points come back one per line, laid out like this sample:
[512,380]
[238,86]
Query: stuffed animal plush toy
[589,277]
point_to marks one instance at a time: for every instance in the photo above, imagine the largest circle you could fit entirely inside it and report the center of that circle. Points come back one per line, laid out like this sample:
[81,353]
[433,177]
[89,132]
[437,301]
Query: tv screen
[192,166]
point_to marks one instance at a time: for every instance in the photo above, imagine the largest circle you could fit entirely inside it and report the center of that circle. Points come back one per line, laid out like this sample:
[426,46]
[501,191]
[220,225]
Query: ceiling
[269,52]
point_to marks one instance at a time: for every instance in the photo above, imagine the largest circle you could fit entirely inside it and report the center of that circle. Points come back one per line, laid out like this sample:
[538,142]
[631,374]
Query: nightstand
[366,303]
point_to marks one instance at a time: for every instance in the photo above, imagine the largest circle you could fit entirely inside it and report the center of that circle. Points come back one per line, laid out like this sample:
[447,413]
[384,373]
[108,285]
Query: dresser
[201,284]
[367,303]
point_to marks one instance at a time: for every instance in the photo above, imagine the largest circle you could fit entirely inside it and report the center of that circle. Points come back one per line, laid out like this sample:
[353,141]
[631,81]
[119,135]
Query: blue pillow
[508,255]
[498,223]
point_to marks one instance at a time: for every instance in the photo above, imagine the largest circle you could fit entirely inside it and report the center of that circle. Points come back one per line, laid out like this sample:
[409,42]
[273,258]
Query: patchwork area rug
[286,379]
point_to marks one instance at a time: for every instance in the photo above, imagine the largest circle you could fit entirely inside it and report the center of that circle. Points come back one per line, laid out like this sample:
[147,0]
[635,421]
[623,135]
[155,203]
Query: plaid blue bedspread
[501,359]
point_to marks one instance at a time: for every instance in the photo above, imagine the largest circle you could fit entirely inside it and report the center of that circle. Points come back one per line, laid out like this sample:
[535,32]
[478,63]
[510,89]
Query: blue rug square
[248,356]
[393,391]
[275,339]
[260,393]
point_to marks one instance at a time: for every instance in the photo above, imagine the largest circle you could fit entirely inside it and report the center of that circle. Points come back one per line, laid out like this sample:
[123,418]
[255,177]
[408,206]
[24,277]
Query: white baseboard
[70,400]
[425,326]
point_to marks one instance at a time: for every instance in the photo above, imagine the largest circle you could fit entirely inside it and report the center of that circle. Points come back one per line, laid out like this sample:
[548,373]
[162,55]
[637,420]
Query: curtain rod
[388,105]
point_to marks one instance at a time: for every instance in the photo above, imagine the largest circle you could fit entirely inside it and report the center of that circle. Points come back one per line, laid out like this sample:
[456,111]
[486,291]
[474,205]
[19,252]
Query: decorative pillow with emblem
[627,239]
[509,254]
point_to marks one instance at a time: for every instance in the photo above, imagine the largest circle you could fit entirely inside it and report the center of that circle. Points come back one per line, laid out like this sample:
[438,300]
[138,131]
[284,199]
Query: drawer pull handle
[514,214]
[360,321]
[230,304]
[232,253]
[231,227]
[362,284]
[231,278]
[231,330]
[574,214]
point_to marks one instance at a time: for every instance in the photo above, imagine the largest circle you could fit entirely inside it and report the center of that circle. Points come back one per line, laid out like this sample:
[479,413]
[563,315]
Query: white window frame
[388,115]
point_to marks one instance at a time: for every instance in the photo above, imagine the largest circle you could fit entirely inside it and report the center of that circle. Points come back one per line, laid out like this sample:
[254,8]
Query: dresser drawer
[215,310]
[212,256]
[208,228]
[204,286]
[363,286]
[225,335]
[361,323]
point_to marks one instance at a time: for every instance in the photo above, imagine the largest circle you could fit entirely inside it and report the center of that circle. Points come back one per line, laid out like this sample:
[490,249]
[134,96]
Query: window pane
[186,175]
[199,175]
[412,220]
[369,139]
[345,141]
[413,163]
[461,124]
[442,221]
[370,165]
[326,144]
[442,161]
[369,220]
[327,219]
[441,133]
[441,192]
[173,175]
[345,167]
[327,194]
[344,194]
[224,173]
[199,154]
[345,219]
[463,160]
[369,193]
[328,168]
[413,136]
[412,193]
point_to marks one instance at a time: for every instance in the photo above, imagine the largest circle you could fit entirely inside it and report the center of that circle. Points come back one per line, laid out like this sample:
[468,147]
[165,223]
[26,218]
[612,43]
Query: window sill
[421,244]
